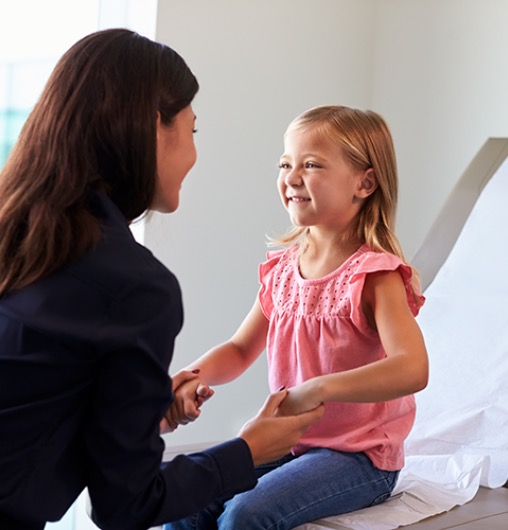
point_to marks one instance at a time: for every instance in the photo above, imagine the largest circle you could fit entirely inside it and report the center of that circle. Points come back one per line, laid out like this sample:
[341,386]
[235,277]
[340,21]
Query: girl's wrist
[316,389]
[319,389]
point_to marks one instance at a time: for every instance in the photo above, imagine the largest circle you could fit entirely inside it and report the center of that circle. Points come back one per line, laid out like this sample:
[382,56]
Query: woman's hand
[270,435]
[301,398]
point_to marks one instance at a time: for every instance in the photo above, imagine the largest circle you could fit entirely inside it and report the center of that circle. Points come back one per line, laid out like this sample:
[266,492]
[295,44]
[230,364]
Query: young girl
[335,312]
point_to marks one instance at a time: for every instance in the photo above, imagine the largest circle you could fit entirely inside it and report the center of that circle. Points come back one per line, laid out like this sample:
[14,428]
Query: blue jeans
[296,490]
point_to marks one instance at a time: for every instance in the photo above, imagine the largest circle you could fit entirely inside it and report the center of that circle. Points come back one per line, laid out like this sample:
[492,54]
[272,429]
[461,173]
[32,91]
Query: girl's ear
[367,184]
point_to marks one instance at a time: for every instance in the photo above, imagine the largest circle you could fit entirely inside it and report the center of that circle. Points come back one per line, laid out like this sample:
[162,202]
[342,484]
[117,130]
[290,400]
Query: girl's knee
[239,513]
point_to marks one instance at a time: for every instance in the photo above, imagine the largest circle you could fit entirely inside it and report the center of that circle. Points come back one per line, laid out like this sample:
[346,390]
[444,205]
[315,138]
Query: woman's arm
[403,371]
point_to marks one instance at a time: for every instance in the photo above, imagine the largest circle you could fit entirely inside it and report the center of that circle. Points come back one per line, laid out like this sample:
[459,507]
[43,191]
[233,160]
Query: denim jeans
[296,490]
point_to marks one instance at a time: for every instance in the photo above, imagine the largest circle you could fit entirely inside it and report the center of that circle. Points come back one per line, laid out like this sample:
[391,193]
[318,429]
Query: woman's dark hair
[93,128]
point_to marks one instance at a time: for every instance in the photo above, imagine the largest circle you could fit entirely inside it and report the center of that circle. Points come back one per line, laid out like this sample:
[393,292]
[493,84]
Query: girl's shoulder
[279,257]
[279,268]
[369,261]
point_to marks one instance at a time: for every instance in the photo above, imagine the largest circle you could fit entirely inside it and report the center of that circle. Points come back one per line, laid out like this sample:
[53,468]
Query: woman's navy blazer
[84,358]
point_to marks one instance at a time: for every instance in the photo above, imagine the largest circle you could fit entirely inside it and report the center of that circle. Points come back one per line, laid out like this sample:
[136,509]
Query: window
[29,50]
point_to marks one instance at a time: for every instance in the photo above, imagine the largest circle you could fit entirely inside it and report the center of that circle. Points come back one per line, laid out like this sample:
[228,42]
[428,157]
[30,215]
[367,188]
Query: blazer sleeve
[128,486]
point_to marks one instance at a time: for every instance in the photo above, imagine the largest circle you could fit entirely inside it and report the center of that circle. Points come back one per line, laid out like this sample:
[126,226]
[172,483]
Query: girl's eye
[311,165]
[283,165]
[194,131]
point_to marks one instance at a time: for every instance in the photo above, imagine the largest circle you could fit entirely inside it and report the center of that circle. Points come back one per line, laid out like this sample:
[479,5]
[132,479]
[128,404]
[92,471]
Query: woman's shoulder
[118,262]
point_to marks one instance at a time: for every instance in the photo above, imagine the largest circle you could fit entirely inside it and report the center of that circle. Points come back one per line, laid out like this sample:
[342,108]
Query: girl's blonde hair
[366,142]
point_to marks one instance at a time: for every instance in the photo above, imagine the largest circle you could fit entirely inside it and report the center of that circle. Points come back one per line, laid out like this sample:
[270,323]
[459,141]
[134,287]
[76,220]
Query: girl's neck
[321,256]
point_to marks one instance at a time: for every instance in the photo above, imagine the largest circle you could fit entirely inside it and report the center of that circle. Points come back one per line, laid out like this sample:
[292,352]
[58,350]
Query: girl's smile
[295,198]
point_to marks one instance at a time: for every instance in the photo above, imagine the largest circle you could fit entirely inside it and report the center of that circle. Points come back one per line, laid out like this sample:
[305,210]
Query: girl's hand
[190,394]
[300,399]
[189,397]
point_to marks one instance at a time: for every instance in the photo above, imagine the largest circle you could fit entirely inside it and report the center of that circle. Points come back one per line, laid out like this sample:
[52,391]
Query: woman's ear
[367,184]
[157,127]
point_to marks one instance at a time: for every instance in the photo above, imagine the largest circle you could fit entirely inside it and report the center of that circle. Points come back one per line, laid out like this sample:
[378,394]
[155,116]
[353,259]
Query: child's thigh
[317,484]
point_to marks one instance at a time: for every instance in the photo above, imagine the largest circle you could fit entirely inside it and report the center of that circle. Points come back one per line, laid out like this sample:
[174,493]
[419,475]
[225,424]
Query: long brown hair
[93,128]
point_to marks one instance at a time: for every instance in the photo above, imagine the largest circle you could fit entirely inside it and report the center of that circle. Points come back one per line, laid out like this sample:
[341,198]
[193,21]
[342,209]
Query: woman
[88,318]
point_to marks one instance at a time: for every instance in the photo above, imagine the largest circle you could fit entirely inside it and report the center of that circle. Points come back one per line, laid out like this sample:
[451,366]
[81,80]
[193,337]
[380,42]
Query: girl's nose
[293,178]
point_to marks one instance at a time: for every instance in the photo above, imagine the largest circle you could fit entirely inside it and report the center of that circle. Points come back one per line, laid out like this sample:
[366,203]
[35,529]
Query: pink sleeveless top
[317,327]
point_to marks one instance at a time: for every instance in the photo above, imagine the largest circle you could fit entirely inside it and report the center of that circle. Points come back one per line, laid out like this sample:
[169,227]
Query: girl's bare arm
[219,365]
[403,371]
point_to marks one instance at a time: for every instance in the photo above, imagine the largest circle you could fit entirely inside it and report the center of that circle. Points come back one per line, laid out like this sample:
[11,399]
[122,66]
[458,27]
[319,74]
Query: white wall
[433,68]
[441,80]
[259,65]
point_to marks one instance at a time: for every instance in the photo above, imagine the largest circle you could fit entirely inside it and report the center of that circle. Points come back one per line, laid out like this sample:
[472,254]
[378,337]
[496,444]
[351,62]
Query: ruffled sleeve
[371,262]
[267,272]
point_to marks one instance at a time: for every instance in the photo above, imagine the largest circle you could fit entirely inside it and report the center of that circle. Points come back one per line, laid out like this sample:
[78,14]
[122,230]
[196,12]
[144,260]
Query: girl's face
[318,185]
[176,155]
